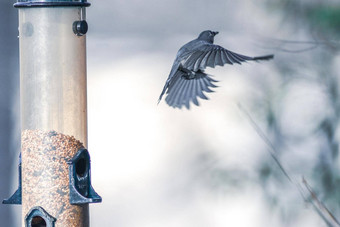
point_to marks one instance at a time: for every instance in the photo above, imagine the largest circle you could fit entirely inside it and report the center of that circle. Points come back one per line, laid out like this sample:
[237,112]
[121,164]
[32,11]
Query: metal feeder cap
[51,3]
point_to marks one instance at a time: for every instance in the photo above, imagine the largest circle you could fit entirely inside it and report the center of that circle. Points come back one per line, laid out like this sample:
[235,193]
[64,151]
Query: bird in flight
[187,80]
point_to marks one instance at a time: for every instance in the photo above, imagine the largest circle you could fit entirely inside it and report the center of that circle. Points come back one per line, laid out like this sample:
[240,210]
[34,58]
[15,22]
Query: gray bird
[187,79]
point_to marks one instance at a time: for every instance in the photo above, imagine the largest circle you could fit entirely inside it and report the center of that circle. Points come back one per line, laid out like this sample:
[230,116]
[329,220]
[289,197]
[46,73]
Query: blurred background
[158,166]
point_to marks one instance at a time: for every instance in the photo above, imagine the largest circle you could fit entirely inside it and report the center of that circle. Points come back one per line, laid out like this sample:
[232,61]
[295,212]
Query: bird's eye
[210,33]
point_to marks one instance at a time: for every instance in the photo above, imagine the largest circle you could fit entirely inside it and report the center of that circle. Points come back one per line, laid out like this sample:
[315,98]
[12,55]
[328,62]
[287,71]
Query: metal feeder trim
[51,3]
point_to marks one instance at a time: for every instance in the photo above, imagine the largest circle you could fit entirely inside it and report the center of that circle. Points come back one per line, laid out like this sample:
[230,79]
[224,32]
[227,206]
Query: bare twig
[290,51]
[307,194]
[260,133]
[318,205]
[282,49]
[316,42]
[278,44]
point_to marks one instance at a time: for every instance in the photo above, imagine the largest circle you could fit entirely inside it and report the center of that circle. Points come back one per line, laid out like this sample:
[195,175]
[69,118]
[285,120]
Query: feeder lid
[54,3]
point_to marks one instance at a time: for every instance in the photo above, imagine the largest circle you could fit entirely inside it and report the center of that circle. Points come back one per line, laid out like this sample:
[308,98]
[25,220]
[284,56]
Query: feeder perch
[16,197]
[81,190]
[38,217]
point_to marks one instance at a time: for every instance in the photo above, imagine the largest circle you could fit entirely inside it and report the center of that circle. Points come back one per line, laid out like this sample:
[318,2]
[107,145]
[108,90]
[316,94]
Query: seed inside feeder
[45,175]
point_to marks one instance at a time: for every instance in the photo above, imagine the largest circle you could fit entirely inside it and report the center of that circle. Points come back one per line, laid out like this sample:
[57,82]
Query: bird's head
[207,36]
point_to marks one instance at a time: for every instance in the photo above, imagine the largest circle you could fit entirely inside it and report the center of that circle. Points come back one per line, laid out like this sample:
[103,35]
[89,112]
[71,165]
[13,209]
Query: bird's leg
[190,74]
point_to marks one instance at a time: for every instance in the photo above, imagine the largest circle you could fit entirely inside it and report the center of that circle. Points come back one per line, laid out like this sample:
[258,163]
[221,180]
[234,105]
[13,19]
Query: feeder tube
[53,106]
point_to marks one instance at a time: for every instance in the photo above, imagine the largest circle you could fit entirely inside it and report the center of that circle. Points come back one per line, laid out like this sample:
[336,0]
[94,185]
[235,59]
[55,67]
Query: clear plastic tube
[53,109]
[53,71]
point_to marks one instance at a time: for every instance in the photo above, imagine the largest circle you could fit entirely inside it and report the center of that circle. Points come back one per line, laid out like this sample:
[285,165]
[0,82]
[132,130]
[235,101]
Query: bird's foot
[188,73]
[191,75]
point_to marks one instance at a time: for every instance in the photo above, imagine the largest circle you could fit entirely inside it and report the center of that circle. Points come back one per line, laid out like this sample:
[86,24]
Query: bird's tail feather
[183,90]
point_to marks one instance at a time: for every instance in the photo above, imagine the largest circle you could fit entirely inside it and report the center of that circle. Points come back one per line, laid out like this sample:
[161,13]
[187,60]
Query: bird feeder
[53,100]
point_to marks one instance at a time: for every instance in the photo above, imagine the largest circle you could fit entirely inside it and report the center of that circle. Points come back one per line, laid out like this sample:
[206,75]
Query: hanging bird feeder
[55,165]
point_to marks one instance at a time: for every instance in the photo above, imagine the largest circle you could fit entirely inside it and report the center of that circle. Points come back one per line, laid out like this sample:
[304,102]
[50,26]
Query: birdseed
[45,176]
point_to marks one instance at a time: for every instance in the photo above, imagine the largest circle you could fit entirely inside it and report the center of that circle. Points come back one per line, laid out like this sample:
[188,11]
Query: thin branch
[280,43]
[316,42]
[287,50]
[272,150]
[319,207]
[291,51]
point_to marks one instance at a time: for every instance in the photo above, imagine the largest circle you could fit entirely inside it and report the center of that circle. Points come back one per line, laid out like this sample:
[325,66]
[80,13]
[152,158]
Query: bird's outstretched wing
[182,90]
[210,55]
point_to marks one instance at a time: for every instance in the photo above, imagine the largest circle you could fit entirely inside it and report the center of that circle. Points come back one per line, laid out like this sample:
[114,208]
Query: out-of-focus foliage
[325,18]
[302,117]
[322,18]
[319,24]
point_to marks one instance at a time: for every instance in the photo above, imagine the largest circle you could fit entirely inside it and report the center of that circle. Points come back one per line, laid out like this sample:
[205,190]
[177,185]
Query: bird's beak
[215,33]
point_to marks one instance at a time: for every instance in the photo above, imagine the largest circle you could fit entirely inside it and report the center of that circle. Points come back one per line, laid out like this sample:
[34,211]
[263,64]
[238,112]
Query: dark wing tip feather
[265,57]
